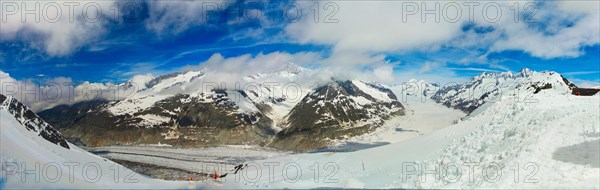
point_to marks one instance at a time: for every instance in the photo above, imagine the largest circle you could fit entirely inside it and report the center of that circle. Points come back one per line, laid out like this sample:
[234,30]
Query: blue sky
[159,37]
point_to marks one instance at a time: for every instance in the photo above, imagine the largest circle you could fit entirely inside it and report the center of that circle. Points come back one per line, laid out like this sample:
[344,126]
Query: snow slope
[505,134]
[32,162]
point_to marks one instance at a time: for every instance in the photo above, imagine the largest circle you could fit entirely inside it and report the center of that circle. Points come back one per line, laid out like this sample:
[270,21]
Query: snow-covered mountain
[522,86]
[337,110]
[186,109]
[31,121]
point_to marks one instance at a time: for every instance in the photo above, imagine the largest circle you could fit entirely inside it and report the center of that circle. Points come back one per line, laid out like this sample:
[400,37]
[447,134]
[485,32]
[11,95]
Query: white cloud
[578,7]
[371,26]
[349,65]
[384,73]
[362,26]
[231,70]
[141,80]
[174,16]
[338,66]
[429,65]
[248,64]
[50,92]
[62,26]
[556,40]
[382,27]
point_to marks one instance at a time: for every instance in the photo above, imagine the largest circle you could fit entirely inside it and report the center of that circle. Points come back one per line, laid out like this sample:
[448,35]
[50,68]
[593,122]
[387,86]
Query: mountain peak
[525,72]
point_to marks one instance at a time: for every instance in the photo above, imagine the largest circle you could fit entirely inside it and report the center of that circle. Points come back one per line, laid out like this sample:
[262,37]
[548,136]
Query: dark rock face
[571,85]
[585,91]
[65,115]
[539,87]
[331,113]
[32,122]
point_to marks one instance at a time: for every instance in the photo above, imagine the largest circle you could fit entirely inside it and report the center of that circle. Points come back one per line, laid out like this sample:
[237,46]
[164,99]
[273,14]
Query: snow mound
[526,137]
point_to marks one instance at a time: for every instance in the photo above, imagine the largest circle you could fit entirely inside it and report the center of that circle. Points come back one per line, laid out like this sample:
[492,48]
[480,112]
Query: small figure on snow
[239,167]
